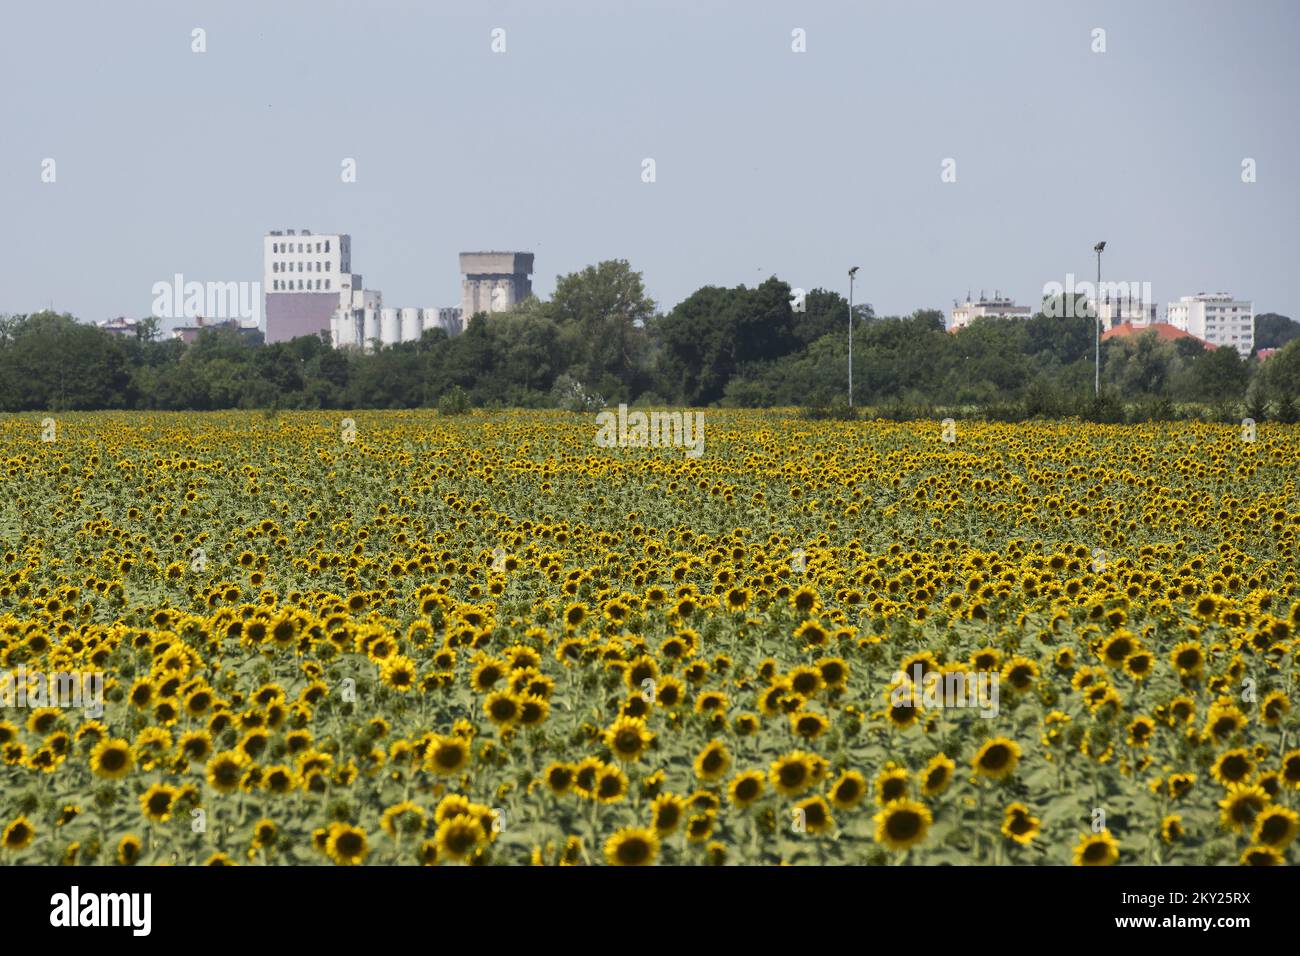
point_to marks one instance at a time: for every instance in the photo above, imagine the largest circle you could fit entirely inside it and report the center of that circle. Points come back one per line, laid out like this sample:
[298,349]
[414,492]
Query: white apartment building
[1217,318]
[964,313]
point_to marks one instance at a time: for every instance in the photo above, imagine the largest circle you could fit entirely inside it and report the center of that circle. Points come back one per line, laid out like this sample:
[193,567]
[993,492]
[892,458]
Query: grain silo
[370,328]
[390,328]
[411,325]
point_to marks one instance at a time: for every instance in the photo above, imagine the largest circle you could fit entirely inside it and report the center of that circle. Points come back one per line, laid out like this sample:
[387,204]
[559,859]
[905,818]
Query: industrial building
[494,281]
[310,288]
[306,279]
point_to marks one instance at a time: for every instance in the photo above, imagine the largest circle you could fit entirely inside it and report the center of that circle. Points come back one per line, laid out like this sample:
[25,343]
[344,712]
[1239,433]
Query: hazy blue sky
[768,161]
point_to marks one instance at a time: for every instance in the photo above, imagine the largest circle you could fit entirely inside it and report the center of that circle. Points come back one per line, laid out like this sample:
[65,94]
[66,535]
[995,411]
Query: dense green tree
[1272,331]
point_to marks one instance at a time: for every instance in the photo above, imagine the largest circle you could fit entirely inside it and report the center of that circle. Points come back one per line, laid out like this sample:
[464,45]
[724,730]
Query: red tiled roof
[1163,331]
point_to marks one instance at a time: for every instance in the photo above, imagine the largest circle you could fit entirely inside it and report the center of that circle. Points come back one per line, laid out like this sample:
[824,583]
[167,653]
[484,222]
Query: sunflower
[611,784]
[1262,856]
[805,600]
[627,738]
[1117,649]
[793,773]
[1233,766]
[1291,764]
[815,814]
[1179,784]
[1096,849]
[156,803]
[937,775]
[264,834]
[458,836]
[713,761]
[737,599]
[584,775]
[1140,730]
[559,778]
[711,702]
[1019,825]
[18,835]
[667,810]
[1187,659]
[502,708]
[1242,804]
[746,787]
[891,785]
[847,791]
[406,817]
[1171,828]
[575,615]
[700,827]
[112,758]
[346,845]
[487,674]
[902,824]
[447,755]
[1020,673]
[997,758]
[632,846]
[1274,707]
[1139,665]
[279,780]
[225,771]
[128,849]
[808,724]
[398,673]
[1276,827]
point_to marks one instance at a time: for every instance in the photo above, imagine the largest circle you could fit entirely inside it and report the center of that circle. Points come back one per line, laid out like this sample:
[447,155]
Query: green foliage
[453,402]
[1272,331]
[599,339]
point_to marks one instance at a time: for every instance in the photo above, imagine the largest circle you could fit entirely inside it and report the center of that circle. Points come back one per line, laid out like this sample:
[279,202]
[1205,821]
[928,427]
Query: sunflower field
[405,638]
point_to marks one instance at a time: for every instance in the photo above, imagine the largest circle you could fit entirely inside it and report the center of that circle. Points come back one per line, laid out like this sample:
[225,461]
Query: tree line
[601,340]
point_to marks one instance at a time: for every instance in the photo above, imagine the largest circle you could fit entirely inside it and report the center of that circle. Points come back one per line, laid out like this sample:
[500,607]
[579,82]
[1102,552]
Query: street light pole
[852,272]
[1096,297]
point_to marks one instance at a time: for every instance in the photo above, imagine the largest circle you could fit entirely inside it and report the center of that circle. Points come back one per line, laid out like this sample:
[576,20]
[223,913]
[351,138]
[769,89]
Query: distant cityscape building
[1217,318]
[964,313]
[122,326]
[1123,308]
[494,281]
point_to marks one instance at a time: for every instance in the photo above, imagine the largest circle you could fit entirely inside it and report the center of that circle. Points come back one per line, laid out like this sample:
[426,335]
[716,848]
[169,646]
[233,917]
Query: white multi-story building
[964,313]
[1217,318]
[306,278]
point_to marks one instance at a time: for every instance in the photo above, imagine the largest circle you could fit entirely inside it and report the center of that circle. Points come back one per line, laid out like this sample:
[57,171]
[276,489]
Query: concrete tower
[494,281]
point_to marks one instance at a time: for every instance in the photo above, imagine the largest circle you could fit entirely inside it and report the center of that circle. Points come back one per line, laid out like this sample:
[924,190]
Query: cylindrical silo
[429,319]
[349,328]
[390,328]
[370,328]
[410,325]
